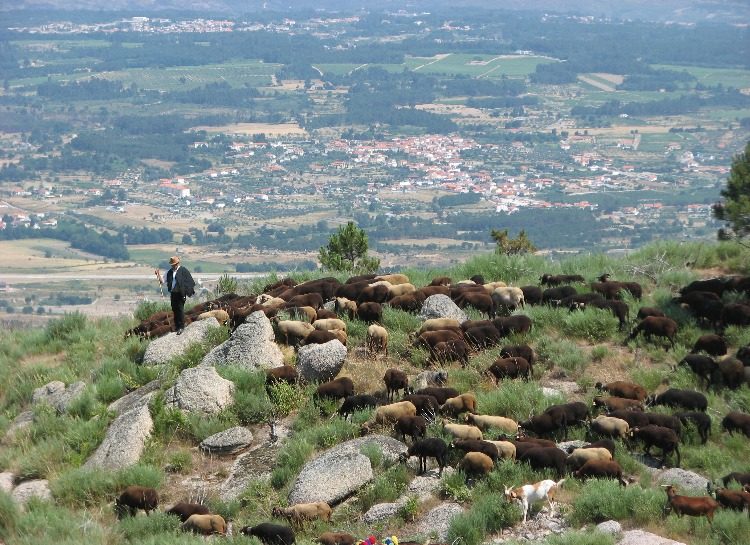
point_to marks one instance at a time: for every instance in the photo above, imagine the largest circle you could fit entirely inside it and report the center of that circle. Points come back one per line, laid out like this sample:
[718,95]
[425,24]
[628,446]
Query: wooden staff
[157,272]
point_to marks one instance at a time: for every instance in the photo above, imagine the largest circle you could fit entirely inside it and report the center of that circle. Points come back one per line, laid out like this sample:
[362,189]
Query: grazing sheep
[136,497]
[336,538]
[505,449]
[336,388]
[621,388]
[474,445]
[438,324]
[285,373]
[485,422]
[357,402]
[664,438]
[463,431]
[411,302]
[427,406]
[377,339]
[389,414]
[476,463]
[185,510]
[413,426]
[733,499]
[455,350]
[610,426]
[580,456]
[601,469]
[293,330]
[736,421]
[479,300]
[222,316]
[321,336]
[270,534]
[399,290]
[395,380]
[329,324]
[441,394]
[370,312]
[687,399]
[508,325]
[658,326]
[701,421]
[482,337]
[713,345]
[306,314]
[508,297]
[509,368]
[729,372]
[301,512]
[644,312]
[741,478]
[547,423]
[532,294]
[441,281]
[432,447]
[459,404]
[489,287]
[394,279]
[544,457]
[342,304]
[612,403]
[519,351]
[205,524]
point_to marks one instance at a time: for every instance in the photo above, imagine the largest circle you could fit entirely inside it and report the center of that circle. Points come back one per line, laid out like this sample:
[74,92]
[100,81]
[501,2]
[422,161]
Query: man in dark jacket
[180,285]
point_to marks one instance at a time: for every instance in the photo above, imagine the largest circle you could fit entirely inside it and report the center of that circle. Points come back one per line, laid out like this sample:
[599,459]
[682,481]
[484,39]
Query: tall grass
[601,500]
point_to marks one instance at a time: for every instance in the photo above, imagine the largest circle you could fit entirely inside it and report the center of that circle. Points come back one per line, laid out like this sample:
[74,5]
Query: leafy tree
[512,246]
[735,208]
[347,251]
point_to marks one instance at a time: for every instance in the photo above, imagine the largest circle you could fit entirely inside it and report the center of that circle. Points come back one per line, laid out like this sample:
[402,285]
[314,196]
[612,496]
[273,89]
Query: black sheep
[687,399]
[270,534]
[184,510]
[701,421]
[136,497]
[664,438]
[544,457]
[357,402]
[432,447]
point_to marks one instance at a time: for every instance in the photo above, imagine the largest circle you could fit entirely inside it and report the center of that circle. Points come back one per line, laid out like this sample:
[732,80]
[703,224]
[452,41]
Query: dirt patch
[270,129]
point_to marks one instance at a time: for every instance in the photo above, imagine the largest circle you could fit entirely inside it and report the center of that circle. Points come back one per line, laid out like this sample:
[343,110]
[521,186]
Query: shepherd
[180,285]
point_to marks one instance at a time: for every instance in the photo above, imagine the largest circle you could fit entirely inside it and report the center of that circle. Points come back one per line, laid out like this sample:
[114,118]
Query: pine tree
[347,251]
[735,208]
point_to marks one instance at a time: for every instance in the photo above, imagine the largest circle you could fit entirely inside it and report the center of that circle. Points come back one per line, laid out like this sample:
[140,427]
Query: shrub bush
[601,500]
[62,329]
[9,515]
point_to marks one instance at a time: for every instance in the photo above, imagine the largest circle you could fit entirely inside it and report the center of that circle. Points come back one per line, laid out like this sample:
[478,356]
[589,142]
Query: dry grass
[270,129]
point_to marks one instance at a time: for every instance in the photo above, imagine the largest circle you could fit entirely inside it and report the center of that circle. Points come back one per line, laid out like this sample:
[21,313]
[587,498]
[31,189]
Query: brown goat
[691,506]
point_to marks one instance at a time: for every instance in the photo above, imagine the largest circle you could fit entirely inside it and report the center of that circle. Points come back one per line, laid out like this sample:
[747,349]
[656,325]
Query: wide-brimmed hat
[174,260]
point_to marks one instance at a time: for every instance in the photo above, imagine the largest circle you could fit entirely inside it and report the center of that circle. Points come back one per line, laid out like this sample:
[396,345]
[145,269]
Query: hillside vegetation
[582,347]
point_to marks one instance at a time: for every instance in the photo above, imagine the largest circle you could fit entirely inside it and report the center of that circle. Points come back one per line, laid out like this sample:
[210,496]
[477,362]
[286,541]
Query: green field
[731,77]
[491,66]
[341,69]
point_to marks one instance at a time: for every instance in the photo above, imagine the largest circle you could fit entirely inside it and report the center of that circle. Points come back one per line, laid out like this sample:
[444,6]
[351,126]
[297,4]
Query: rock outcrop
[251,346]
[227,441]
[441,306]
[58,395]
[171,345]
[125,440]
[321,362]
[200,389]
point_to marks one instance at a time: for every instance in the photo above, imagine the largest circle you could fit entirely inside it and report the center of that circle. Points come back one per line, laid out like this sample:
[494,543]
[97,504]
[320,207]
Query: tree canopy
[347,251]
[735,208]
[512,246]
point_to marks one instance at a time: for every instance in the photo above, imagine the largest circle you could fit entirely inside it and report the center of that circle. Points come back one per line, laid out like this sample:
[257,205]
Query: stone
[251,346]
[228,441]
[200,389]
[441,306]
[381,511]
[683,479]
[437,521]
[426,485]
[20,422]
[32,489]
[641,537]
[321,362]
[57,395]
[566,387]
[136,398]
[429,378]
[611,527]
[124,441]
[171,345]
[576,443]
[342,470]
[552,393]
[6,481]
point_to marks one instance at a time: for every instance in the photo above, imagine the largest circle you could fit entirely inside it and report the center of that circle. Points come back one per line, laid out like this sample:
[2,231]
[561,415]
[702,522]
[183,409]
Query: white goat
[530,494]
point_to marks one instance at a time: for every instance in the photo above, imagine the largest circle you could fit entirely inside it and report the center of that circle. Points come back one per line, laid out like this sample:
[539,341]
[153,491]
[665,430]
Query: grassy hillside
[581,347]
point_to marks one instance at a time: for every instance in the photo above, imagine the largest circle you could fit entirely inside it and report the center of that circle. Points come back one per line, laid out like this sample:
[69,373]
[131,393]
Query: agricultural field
[479,66]
[729,77]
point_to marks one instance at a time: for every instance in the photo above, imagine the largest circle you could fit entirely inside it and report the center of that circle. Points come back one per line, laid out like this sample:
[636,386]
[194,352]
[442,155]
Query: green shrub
[386,487]
[601,500]
[285,398]
[489,514]
[598,353]
[136,528]
[561,353]
[374,453]
[514,399]
[9,515]
[593,325]
[63,329]
[83,487]
[147,308]
[180,461]
[453,486]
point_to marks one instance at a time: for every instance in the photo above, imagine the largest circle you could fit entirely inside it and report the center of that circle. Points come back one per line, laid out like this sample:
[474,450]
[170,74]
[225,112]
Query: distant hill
[735,11]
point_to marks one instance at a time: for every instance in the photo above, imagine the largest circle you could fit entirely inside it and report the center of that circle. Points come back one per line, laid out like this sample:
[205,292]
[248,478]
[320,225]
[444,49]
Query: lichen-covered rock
[425,485]
[57,395]
[32,489]
[321,362]
[251,346]
[136,398]
[611,527]
[171,345]
[200,389]
[342,470]
[228,441]
[441,306]
[125,440]
[437,521]
[6,481]
[641,537]
[20,422]
[683,479]
[381,511]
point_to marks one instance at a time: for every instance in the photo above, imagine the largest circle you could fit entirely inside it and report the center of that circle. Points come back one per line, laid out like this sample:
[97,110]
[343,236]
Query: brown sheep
[656,326]
[459,404]
[205,524]
[185,510]
[476,463]
[336,538]
[395,380]
[621,388]
[690,505]
[136,497]
[301,512]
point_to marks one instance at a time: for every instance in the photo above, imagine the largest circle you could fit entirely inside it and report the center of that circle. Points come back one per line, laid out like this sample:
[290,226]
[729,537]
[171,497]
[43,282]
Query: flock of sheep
[625,419]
